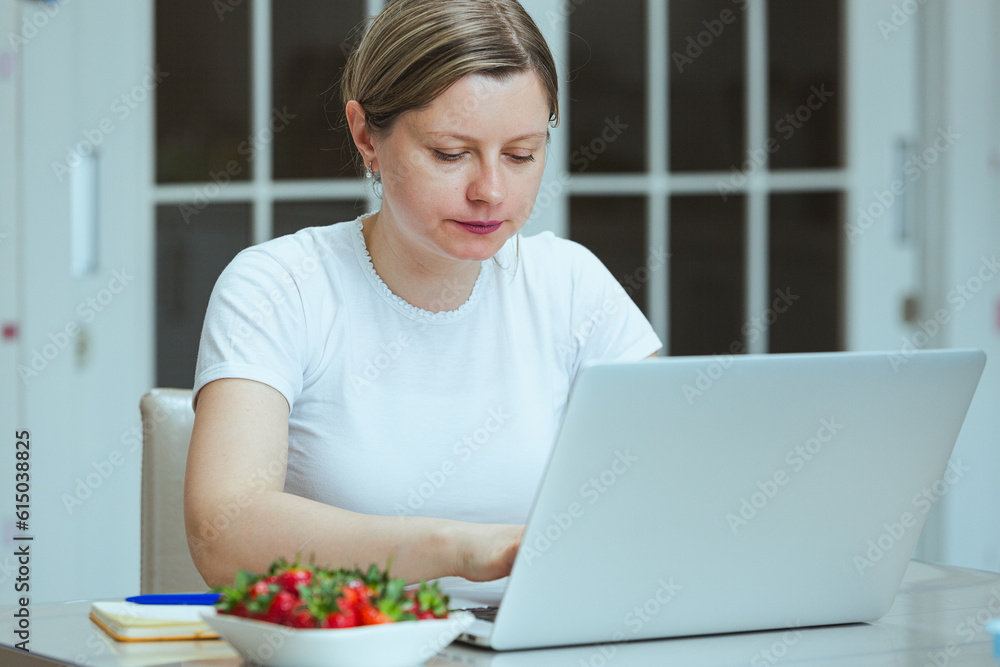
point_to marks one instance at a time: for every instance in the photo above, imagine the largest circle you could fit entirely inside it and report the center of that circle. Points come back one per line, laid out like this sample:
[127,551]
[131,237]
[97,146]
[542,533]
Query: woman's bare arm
[238,517]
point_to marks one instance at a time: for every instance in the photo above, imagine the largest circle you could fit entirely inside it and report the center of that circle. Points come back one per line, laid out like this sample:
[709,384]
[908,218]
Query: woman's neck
[432,288]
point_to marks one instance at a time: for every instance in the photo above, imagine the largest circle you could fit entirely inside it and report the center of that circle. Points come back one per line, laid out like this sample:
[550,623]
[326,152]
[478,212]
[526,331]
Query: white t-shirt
[399,411]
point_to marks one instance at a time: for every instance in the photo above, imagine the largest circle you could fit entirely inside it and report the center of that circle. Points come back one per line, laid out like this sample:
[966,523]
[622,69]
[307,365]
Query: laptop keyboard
[482,613]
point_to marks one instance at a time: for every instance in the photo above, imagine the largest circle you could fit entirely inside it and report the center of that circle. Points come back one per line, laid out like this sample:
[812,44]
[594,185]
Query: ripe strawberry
[281,607]
[302,618]
[360,589]
[259,590]
[290,580]
[336,619]
[371,615]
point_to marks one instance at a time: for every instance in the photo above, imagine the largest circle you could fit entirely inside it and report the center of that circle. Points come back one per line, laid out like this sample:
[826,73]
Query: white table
[937,619]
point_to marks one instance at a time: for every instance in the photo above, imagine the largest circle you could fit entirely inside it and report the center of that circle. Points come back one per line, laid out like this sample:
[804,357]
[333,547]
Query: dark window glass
[189,258]
[805,273]
[203,100]
[806,89]
[614,229]
[290,217]
[311,42]
[607,86]
[707,267]
[707,84]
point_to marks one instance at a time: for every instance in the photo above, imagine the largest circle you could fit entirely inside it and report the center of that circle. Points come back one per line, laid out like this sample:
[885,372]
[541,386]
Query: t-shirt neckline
[401,305]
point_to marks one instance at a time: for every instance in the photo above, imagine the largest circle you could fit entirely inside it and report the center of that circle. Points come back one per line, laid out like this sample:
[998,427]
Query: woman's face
[460,176]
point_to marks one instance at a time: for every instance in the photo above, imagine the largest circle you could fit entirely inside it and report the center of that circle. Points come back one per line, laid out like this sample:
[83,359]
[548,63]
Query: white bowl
[398,644]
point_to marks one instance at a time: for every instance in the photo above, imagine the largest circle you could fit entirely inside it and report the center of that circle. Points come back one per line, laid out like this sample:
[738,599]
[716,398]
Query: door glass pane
[310,43]
[203,100]
[707,84]
[189,259]
[614,229]
[707,249]
[291,216]
[806,91]
[607,86]
[806,288]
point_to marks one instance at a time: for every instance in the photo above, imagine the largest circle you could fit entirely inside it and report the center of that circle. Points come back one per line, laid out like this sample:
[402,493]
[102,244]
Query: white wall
[9,311]
[80,398]
[971,224]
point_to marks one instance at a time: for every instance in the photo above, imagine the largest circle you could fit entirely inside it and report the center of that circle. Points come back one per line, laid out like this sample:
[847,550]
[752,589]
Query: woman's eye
[521,159]
[447,157]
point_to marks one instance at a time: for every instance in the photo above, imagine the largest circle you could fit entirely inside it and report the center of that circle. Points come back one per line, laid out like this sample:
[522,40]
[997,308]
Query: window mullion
[262,136]
[756,283]
[657,216]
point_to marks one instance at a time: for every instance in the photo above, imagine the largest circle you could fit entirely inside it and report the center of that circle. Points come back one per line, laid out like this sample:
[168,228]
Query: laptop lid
[699,495]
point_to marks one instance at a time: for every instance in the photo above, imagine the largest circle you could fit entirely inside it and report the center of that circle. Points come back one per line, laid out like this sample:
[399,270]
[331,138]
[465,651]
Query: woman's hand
[486,551]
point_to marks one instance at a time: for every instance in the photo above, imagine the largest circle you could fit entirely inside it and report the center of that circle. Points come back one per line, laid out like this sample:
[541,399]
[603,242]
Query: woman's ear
[359,131]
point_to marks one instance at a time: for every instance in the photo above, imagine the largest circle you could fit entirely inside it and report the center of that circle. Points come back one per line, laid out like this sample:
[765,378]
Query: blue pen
[181,598]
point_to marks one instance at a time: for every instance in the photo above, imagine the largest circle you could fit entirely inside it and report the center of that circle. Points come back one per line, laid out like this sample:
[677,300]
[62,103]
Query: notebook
[128,621]
[700,495]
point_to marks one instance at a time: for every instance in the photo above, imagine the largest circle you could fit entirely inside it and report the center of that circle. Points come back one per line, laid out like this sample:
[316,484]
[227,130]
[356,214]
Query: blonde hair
[415,49]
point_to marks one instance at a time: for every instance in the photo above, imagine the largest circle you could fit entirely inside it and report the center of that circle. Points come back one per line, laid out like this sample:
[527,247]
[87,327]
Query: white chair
[167,420]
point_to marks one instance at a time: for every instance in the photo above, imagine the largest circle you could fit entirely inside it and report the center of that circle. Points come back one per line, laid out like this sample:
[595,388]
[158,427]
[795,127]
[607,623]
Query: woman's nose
[488,185]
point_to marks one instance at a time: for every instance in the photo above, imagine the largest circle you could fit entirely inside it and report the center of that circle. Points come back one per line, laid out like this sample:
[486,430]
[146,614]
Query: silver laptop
[700,495]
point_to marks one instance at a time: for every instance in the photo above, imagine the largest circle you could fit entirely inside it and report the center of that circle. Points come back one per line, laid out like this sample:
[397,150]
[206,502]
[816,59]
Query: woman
[392,385]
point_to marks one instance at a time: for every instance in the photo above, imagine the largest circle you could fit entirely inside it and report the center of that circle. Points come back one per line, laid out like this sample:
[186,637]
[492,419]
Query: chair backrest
[167,420]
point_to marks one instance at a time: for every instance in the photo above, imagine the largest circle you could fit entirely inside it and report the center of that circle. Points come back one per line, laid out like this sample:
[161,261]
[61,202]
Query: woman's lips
[481,226]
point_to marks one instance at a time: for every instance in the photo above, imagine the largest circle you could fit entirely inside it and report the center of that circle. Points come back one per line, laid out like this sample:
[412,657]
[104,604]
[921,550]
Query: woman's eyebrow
[462,137]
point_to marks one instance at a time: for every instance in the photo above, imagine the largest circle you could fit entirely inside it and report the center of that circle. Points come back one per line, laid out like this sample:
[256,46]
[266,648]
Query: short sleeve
[605,322]
[254,327]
